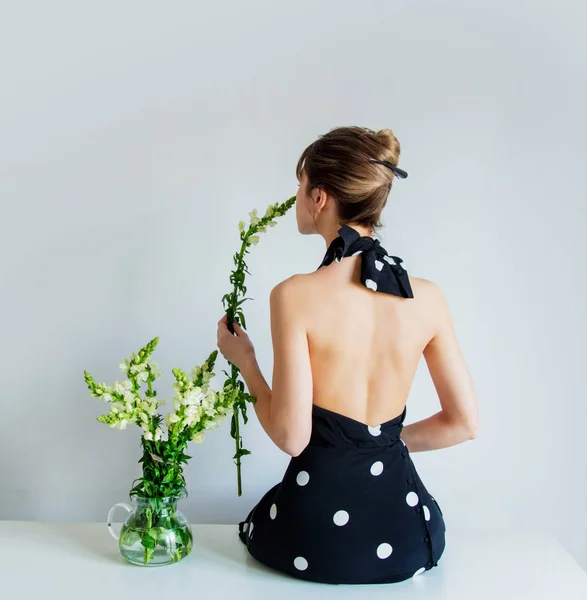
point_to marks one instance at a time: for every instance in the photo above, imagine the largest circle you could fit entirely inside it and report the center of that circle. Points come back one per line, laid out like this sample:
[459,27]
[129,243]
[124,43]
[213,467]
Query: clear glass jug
[154,533]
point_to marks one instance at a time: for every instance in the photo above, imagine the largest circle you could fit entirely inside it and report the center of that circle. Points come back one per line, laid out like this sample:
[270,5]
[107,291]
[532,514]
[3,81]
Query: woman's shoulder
[288,290]
[425,286]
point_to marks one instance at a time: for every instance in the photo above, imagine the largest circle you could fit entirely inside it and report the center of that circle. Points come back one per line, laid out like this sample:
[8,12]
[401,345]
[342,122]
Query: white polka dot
[341,517]
[384,550]
[378,265]
[420,570]
[245,527]
[273,511]
[412,498]
[300,563]
[303,477]
[389,260]
[375,430]
[251,529]
[426,512]
[371,284]
[357,252]
[377,468]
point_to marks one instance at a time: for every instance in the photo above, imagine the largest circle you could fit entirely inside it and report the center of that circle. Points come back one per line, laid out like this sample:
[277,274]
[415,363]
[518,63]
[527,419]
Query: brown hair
[338,162]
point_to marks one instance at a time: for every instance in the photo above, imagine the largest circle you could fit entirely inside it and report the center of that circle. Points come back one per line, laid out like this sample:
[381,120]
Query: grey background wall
[134,137]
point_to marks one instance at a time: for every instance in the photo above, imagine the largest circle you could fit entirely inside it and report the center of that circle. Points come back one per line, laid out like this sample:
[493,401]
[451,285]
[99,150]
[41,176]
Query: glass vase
[155,532]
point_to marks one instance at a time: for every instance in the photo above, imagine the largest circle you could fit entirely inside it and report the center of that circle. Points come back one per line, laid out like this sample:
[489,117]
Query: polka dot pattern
[377,468]
[412,498]
[375,431]
[372,471]
[380,271]
[384,550]
[303,477]
[341,517]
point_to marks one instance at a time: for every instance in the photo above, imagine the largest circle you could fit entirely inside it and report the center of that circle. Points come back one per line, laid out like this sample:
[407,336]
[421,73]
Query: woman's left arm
[285,412]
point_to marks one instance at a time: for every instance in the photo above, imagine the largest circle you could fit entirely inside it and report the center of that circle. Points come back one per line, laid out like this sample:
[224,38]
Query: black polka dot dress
[351,508]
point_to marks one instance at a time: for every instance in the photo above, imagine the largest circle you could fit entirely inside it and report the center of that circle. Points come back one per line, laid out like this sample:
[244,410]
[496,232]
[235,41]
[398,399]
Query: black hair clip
[398,172]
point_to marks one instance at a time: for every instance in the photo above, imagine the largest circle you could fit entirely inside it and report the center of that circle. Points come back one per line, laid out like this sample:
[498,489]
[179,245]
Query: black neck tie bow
[380,271]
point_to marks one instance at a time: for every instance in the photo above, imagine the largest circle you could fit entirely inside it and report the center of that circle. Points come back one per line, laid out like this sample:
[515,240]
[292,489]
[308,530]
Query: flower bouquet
[156,532]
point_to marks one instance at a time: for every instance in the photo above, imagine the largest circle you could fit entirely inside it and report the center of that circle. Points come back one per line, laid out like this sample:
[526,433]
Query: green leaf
[242,300]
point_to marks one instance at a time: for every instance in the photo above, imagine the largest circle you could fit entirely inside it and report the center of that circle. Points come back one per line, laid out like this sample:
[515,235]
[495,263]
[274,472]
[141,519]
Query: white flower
[155,370]
[171,418]
[210,425]
[121,424]
[193,396]
[158,434]
[143,376]
[254,239]
[148,435]
[148,407]
[123,366]
[192,410]
[198,437]
[107,397]
[241,225]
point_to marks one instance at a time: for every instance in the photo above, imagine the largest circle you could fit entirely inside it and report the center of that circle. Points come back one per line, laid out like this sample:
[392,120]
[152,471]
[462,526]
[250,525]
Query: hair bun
[390,146]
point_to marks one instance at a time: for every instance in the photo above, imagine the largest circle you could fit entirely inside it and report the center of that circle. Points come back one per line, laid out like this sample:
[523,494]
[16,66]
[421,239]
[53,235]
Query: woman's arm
[458,419]
[285,412]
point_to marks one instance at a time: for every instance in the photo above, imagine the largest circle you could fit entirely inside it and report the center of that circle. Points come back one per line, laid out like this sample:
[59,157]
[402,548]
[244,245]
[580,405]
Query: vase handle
[109,518]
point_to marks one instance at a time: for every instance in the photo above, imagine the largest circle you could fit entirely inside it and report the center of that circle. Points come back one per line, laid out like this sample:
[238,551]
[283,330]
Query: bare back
[364,346]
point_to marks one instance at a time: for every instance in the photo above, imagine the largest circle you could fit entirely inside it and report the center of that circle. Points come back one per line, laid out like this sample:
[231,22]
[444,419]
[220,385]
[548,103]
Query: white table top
[81,560]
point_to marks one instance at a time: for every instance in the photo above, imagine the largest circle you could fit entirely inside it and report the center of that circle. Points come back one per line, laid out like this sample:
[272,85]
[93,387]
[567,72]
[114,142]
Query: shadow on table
[229,551]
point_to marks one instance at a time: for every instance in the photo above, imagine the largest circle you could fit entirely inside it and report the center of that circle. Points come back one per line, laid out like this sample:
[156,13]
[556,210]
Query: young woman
[347,339]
